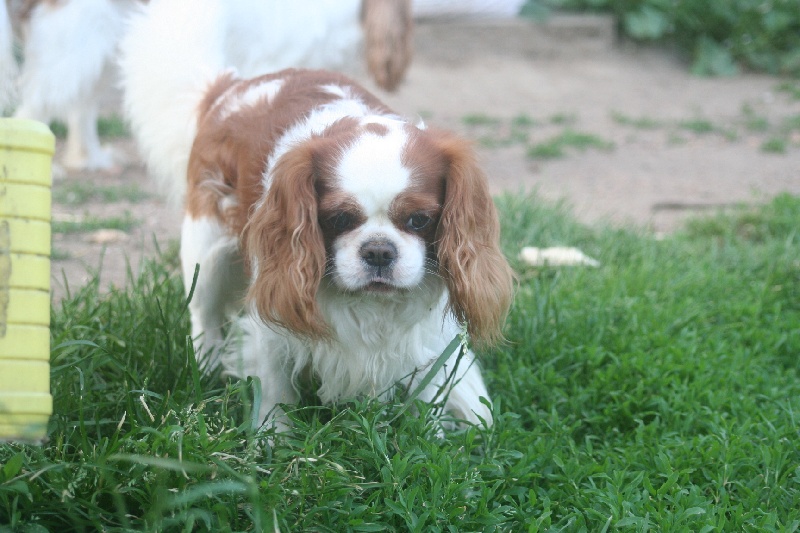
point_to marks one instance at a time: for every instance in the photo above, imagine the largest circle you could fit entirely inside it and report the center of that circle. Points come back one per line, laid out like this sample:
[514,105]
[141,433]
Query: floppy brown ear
[477,274]
[286,250]
[388,27]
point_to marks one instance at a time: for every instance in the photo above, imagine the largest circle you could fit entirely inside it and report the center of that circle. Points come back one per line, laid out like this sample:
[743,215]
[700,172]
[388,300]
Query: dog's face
[377,208]
[379,213]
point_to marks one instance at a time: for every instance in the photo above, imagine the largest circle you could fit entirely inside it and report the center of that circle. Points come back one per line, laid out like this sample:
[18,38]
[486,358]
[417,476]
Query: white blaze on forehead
[336,90]
[372,170]
[314,124]
[234,102]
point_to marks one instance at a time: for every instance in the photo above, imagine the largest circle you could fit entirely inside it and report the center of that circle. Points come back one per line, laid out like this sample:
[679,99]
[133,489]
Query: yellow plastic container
[26,153]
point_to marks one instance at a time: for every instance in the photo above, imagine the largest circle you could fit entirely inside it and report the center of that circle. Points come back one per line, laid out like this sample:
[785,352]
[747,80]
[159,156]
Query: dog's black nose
[379,253]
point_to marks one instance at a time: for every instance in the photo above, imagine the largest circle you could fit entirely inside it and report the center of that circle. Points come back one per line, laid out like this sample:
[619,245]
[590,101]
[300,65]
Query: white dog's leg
[83,149]
[254,349]
[218,290]
[68,46]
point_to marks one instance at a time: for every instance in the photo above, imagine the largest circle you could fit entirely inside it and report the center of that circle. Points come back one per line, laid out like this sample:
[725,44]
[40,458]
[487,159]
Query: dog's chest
[376,346]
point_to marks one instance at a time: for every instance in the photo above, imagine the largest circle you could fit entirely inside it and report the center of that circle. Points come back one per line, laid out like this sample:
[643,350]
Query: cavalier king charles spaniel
[359,244]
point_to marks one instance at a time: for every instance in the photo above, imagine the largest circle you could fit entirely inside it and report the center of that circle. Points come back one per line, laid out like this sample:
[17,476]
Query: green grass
[643,123]
[774,145]
[557,146]
[697,125]
[792,89]
[498,133]
[791,123]
[563,119]
[82,192]
[753,121]
[57,254]
[59,129]
[523,121]
[658,392]
[111,127]
[480,119]
[90,223]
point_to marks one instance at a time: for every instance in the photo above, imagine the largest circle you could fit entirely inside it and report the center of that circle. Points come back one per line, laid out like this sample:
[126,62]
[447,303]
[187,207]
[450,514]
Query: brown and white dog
[361,243]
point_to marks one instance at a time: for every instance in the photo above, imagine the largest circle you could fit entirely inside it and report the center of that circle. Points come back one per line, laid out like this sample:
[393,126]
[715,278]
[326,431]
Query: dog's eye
[342,221]
[418,222]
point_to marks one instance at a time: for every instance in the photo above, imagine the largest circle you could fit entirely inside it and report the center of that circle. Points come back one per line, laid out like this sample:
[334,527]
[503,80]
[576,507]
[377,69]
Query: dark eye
[342,221]
[418,222]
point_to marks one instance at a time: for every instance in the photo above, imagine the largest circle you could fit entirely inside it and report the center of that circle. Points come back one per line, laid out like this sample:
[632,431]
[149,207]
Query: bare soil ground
[642,141]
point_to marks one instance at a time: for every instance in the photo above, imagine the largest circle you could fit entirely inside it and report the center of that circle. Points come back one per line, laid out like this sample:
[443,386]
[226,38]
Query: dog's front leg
[218,289]
[254,349]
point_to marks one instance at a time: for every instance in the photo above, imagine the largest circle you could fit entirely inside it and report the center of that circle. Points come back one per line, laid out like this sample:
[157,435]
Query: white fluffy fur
[8,64]
[67,48]
[219,284]
[176,47]
[379,343]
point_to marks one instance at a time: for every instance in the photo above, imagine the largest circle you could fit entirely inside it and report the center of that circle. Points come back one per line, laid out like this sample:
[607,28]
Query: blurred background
[631,112]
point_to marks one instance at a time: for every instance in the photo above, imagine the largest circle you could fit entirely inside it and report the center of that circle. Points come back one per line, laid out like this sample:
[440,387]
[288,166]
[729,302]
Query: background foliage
[719,35]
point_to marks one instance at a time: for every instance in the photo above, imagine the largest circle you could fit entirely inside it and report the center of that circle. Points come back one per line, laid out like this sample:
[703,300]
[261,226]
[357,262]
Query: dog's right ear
[285,247]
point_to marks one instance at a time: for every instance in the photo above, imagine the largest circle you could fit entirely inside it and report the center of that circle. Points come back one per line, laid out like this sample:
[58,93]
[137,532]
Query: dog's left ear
[478,277]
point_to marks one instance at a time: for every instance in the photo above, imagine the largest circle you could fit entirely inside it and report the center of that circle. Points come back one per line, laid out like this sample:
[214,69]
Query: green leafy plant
[718,34]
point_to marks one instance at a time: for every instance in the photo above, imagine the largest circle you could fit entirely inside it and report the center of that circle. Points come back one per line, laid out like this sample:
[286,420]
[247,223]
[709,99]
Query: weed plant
[658,392]
[557,146]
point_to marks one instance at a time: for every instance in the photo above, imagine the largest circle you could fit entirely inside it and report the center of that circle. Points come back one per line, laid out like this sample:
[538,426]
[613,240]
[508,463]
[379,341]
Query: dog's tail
[170,54]
[8,64]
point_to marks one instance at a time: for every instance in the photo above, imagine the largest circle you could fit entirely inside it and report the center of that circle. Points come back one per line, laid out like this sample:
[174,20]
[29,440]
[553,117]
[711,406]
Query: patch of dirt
[658,143]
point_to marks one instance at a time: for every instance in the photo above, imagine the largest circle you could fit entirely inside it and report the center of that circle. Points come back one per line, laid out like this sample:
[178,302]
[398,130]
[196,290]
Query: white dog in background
[175,48]
[67,46]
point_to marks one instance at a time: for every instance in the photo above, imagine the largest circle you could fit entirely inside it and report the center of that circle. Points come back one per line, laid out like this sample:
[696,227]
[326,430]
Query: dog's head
[376,207]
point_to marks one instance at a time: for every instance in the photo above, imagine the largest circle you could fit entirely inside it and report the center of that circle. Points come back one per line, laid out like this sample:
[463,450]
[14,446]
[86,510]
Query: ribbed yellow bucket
[26,153]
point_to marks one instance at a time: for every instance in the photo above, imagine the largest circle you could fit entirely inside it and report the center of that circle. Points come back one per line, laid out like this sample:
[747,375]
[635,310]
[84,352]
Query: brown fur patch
[233,149]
